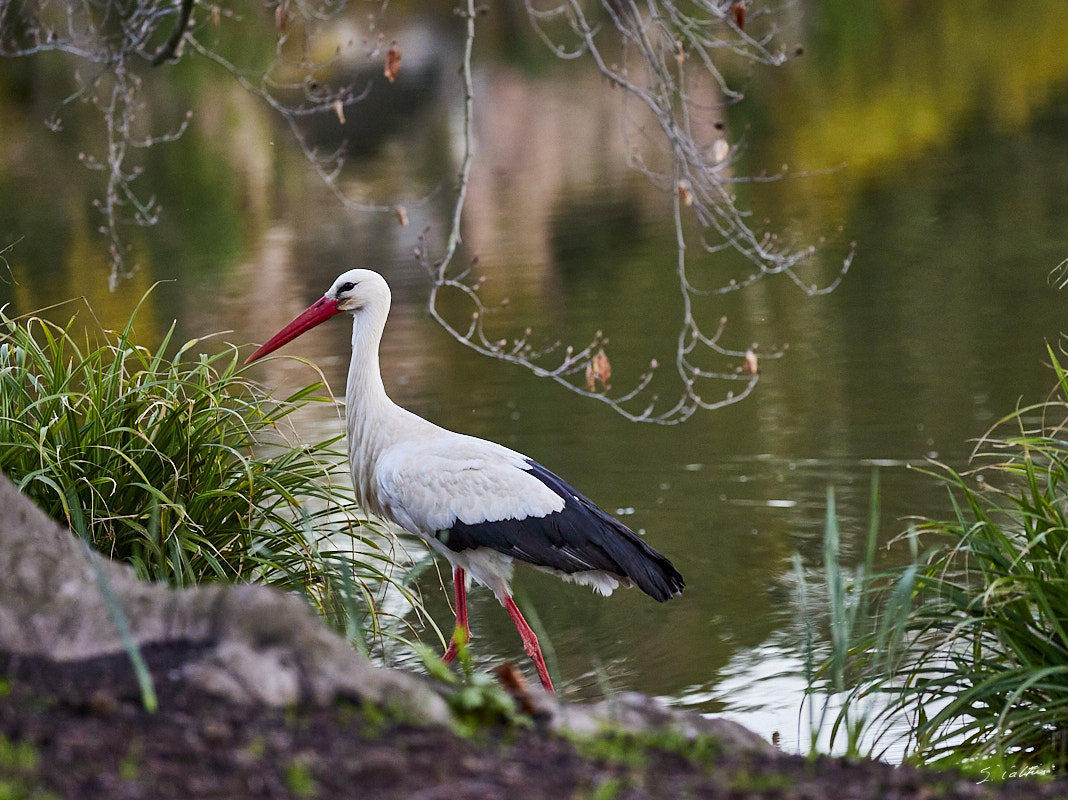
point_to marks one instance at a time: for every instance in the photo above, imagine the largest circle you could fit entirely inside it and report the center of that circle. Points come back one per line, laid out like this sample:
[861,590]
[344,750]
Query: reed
[848,671]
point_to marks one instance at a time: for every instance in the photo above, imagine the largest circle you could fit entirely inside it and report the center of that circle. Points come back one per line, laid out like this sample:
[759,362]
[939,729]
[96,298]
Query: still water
[938,149]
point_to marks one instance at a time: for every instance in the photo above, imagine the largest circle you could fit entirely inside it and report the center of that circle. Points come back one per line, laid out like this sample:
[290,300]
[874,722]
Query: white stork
[480,505]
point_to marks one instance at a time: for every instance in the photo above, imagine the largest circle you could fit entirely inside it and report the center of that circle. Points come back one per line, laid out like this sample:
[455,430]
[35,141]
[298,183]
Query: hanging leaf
[738,10]
[393,64]
[598,370]
[685,194]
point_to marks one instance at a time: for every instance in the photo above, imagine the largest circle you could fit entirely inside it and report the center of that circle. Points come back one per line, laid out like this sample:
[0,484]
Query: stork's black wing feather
[578,538]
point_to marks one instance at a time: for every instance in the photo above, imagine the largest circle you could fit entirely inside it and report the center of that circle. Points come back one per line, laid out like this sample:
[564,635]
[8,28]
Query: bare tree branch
[696,182]
[661,55]
[170,48]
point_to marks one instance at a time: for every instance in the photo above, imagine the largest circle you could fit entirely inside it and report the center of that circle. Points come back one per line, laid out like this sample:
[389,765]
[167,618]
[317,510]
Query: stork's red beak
[319,311]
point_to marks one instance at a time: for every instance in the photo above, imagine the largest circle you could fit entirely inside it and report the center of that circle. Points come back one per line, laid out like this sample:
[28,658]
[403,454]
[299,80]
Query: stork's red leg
[530,642]
[460,585]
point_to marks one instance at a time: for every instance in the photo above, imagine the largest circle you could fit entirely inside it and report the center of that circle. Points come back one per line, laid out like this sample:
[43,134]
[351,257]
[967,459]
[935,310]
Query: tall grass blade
[118,616]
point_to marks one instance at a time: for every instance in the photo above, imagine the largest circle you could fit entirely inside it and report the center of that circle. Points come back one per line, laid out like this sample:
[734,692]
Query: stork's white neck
[374,421]
[364,389]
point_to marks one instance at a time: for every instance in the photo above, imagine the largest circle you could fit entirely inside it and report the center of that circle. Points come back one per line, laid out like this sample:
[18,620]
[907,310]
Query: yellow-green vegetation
[631,752]
[890,82]
[481,702]
[299,779]
[130,763]
[256,748]
[477,699]
[936,66]
[18,772]
[624,748]
[20,757]
[609,789]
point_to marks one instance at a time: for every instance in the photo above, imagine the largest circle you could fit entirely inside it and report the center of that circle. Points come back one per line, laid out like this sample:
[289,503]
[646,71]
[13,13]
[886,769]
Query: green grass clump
[990,675]
[181,466]
[20,772]
[968,642]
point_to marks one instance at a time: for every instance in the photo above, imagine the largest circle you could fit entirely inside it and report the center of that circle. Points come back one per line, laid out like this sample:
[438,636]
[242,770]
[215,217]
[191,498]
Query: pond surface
[940,149]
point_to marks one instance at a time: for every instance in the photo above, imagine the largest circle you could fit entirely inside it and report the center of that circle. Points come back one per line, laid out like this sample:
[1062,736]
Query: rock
[257,645]
[638,713]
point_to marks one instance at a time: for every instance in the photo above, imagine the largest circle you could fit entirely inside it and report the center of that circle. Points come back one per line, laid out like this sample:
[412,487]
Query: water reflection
[760,688]
[948,180]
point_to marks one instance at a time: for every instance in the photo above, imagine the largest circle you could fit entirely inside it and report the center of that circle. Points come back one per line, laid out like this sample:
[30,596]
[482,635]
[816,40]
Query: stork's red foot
[530,643]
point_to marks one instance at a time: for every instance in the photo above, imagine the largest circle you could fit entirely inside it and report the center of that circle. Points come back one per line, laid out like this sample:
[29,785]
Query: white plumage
[435,482]
[479,504]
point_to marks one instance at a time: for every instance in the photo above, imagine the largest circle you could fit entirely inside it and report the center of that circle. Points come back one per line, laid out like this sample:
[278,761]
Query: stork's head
[355,291]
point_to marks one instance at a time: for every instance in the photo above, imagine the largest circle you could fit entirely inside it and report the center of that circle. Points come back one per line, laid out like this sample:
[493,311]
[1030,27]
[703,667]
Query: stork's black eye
[347,286]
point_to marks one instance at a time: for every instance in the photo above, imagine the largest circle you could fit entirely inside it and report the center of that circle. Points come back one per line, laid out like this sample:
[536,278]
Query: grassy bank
[174,461]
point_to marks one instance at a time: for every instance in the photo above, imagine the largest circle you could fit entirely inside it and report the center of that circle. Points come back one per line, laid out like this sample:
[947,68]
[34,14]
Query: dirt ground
[80,731]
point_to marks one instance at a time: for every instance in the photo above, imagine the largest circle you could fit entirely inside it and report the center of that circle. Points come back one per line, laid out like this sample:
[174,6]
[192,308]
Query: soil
[80,731]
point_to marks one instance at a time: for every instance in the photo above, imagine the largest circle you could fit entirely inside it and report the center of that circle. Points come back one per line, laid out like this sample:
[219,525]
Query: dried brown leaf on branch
[393,64]
[402,215]
[598,370]
[750,361]
[339,109]
[685,194]
[738,10]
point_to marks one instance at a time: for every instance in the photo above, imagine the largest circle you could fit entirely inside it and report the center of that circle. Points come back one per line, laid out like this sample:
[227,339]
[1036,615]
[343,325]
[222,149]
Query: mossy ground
[79,731]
